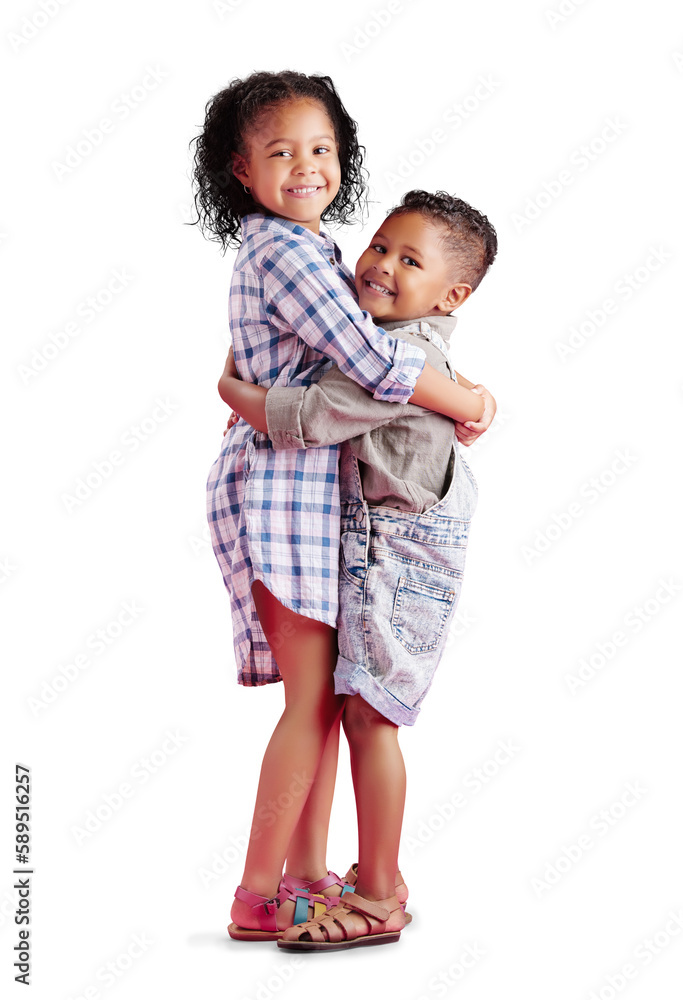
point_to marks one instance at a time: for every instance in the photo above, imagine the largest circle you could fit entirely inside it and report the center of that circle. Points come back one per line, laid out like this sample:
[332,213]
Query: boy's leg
[379,780]
[306,662]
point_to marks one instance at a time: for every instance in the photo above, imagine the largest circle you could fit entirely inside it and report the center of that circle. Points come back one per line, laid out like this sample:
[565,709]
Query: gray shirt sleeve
[336,408]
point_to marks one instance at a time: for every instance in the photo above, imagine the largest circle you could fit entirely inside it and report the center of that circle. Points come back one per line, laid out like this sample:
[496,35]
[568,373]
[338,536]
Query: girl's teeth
[378,288]
[303,190]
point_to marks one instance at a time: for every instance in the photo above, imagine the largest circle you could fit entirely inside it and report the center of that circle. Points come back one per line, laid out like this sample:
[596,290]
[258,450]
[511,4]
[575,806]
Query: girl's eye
[321,149]
[411,261]
[378,247]
[282,152]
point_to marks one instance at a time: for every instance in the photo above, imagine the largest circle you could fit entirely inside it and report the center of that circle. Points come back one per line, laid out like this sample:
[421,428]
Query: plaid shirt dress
[273,515]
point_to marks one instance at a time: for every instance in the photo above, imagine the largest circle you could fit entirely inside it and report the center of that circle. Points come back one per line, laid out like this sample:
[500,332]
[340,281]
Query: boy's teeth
[378,288]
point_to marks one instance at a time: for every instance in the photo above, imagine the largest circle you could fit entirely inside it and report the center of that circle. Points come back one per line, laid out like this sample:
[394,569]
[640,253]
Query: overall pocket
[352,556]
[420,614]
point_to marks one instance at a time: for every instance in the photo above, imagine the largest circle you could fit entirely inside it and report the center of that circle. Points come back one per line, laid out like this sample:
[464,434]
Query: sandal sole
[365,939]
[247,934]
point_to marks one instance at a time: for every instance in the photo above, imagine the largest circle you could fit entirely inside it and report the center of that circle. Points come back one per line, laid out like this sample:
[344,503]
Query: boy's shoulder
[431,333]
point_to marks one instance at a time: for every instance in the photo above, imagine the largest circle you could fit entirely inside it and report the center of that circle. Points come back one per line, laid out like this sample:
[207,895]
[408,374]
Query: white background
[551,898]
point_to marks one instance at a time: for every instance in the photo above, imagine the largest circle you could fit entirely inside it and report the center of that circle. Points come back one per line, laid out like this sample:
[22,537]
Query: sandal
[336,929]
[318,886]
[351,878]
[265,911]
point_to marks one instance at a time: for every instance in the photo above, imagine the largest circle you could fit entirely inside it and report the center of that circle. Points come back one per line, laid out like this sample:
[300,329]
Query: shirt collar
[257,222]
[444,325]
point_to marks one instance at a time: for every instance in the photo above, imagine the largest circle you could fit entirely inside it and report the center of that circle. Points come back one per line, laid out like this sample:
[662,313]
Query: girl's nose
[304,165]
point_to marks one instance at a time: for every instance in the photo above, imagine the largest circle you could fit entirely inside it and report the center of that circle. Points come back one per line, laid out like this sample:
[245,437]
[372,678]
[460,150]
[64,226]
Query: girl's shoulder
[266,239]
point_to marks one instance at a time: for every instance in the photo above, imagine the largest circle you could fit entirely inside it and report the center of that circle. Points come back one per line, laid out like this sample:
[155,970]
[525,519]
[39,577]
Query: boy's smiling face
[406,273]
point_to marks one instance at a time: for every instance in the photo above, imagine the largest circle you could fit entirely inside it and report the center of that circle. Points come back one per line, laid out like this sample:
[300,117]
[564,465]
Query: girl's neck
[313,225]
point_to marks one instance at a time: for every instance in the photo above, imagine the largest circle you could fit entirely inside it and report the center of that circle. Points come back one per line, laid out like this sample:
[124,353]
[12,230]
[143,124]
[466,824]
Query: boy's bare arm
[333,401]
[247,399]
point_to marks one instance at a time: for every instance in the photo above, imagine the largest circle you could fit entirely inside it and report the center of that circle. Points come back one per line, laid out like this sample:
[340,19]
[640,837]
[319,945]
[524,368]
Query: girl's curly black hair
[469,237]
[232,116]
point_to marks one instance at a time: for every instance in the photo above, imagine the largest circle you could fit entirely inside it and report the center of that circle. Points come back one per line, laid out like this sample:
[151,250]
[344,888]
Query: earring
[247,190]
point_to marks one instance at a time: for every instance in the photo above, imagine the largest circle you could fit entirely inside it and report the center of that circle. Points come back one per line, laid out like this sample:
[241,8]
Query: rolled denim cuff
[350,678]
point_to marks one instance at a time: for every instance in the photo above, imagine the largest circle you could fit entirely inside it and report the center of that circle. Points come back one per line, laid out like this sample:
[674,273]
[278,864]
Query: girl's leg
[307,851]
[379,781]
[306,656]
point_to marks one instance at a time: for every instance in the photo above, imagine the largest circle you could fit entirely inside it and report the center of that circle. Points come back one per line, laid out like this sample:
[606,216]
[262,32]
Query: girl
[278,154]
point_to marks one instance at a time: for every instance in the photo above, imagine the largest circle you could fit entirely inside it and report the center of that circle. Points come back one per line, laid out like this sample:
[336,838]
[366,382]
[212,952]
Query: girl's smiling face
[292,165]
[405,272]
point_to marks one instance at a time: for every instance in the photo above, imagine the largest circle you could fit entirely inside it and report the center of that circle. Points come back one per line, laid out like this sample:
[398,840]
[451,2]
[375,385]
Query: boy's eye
[378,247]
[282,152]
[413,263]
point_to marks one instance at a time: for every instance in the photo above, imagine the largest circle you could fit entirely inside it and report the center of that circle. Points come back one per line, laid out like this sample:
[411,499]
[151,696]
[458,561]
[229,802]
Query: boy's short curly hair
[469,237]
[232,116]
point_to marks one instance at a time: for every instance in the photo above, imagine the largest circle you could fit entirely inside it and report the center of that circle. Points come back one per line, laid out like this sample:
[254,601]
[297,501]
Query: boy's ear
[240,169]
[454,297]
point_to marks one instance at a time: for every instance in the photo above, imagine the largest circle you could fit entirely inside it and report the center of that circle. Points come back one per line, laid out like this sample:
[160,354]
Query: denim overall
[400,577]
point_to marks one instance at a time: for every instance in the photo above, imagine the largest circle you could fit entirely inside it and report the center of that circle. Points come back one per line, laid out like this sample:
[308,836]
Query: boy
[407,498]
[426,259]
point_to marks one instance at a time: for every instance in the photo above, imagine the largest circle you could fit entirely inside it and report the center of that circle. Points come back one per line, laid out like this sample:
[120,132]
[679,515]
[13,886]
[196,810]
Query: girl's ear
[454,297]
[240,169]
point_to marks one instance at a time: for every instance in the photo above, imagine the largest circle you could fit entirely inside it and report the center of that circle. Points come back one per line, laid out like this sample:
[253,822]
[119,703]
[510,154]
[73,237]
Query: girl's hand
[468,432]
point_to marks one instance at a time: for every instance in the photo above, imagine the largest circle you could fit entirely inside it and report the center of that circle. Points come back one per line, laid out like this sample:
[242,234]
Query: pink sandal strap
[266,909]
[318,886]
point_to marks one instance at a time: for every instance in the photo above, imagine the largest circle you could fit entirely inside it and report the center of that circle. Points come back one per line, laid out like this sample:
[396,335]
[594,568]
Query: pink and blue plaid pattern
[274,515]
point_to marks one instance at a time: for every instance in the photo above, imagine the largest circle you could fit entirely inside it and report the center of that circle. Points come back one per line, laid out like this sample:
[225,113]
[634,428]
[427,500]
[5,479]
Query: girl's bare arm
[436,391]
[245,398]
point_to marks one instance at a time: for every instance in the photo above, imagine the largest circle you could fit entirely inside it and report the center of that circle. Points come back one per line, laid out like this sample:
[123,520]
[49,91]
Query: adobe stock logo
[596,319]
[589,493]
[452,118]
[580,160]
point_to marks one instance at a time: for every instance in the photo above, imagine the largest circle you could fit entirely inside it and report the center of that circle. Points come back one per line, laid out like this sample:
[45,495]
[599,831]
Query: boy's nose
[384,267]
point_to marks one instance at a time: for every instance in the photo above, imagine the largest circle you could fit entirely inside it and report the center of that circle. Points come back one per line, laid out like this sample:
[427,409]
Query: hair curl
[470,239]
[232,116]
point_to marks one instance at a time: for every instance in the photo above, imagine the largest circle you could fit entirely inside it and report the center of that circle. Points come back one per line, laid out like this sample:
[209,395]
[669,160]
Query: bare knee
[362,722]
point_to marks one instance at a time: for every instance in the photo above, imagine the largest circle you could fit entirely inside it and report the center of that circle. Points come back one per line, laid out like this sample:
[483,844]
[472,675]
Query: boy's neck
[414,319]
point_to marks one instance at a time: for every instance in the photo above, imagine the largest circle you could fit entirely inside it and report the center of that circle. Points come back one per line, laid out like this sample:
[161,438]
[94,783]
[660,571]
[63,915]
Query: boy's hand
[468,432]
[234,417]
[230,371]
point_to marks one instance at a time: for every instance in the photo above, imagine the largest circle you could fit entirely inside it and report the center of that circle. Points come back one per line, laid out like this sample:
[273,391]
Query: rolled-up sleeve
[304,294]
[330,411]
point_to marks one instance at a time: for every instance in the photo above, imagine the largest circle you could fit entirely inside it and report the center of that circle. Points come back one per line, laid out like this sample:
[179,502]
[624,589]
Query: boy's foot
[401,888]
[354,920]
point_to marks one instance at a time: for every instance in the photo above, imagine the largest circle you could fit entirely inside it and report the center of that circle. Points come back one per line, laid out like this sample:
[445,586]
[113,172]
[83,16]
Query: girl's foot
[248,914]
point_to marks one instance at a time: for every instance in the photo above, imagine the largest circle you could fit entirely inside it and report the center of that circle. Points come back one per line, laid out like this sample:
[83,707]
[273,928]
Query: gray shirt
[402,449]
